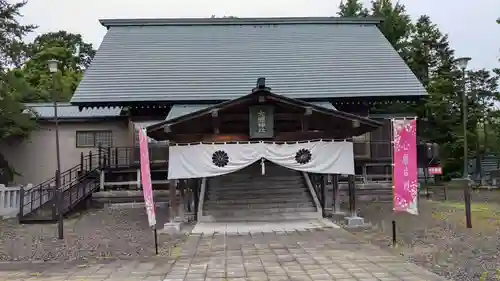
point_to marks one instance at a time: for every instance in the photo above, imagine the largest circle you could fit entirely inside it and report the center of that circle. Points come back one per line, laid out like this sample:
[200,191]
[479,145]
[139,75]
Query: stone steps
[257,201]
[276,217]
[289,192]
[222,205]
[247,195]
[250,211]
[256,185]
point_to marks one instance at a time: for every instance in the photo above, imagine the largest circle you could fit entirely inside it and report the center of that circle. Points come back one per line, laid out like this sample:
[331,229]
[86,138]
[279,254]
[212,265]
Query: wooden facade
[293,120]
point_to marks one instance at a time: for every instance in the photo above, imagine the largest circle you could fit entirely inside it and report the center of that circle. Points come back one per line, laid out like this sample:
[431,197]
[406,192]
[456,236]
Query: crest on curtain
[220,158]
[303,156]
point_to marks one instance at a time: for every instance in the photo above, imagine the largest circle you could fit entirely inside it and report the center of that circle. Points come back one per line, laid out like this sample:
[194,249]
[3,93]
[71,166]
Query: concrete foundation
[171,228]
[355,221]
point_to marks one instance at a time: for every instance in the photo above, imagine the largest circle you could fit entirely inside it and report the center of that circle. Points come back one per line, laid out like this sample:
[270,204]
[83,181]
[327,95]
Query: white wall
[35,158]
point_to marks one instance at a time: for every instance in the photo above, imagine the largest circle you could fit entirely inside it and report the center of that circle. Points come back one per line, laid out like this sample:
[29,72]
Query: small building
[177,75]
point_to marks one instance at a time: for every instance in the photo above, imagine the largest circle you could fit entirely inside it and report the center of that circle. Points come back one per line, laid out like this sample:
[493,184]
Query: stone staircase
[247,195]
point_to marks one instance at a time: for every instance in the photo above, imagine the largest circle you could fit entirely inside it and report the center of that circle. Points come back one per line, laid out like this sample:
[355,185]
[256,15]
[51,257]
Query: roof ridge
[45,104]
[238,21]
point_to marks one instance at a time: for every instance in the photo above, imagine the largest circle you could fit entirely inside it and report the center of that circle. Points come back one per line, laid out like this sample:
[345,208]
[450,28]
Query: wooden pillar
[352,195]
[324,195]
[196,196]
[102,180]
[181,203]
[172,200]
[138,184]
[336,193]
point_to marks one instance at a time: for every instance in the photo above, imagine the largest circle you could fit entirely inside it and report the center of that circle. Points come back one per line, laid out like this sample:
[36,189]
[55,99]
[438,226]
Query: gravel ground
[95,234]
[437,238]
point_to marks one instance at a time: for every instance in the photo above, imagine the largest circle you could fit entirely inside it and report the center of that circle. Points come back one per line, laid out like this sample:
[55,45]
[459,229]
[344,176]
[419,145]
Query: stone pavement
[209,228]
[313,255]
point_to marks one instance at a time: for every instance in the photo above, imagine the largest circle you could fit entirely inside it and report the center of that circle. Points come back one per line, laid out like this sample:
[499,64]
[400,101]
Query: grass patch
[481,212]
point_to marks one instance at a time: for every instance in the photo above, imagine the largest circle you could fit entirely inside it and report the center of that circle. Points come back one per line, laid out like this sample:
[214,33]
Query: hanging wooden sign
[261,121]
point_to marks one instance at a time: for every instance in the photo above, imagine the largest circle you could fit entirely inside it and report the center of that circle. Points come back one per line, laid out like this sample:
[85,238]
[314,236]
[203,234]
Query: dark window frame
[94,134]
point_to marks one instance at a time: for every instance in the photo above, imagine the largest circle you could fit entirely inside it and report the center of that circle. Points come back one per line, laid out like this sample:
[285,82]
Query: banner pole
[155,232]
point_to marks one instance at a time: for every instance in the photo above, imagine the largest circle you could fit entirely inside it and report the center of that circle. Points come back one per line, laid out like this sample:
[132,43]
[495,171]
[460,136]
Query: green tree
[74,55]
[352,8]
[14,125]
[397,24]
[12,47]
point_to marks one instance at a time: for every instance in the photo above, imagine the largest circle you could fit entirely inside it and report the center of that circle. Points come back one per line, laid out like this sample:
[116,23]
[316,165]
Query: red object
[405,166]
[435,170]
[147,188]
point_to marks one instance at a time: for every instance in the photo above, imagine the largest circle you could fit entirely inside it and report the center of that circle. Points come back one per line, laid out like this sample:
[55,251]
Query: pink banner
[405,173]
[147,188]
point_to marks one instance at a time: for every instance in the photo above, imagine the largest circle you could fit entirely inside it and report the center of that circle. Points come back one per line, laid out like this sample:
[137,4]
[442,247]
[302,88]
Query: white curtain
[208,160]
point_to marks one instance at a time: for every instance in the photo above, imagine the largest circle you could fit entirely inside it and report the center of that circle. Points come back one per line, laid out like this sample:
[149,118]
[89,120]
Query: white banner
[208,160]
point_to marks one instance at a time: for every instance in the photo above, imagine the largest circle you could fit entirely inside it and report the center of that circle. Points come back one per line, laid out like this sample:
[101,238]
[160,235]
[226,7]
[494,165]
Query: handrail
[310,183]
[100,158]
[43,193]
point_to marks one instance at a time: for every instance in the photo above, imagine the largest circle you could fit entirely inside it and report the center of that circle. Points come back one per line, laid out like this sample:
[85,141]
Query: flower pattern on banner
[405,166]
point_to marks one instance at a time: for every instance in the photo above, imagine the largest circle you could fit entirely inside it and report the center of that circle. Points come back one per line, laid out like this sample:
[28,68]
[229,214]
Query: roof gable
[169,61]
[364,124]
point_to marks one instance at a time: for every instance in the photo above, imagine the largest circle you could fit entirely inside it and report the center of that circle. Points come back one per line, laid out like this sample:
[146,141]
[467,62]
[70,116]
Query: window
[94,138]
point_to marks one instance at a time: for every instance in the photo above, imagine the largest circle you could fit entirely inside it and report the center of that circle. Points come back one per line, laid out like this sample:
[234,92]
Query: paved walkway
[313,255]
[209,228]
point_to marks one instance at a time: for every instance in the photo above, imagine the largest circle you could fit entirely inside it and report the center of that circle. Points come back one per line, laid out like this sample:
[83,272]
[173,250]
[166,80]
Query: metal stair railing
[45,193]
[119,157]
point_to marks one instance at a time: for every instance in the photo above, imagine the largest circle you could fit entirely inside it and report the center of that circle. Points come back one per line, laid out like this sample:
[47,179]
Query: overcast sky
[470,24]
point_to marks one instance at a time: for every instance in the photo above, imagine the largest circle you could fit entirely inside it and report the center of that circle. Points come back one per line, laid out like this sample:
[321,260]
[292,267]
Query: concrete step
[254,212]
[256,188]
[257,182]
[217,205]
[267,217]
[261,192]
[260,200]
[287,197]
[267,176]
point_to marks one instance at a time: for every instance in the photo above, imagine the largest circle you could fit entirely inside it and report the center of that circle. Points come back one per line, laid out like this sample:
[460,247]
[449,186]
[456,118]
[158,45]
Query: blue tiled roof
[188,60]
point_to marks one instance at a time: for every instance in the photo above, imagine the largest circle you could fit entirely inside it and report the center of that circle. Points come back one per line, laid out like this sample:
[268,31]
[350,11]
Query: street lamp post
[53,67]
[462,64]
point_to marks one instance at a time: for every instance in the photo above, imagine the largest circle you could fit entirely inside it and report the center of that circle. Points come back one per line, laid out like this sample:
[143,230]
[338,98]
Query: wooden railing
[118,157]
[373,149]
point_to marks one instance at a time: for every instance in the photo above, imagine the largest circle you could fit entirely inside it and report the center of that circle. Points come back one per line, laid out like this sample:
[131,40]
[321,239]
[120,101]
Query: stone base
[354,222]
[171,227]
[339,213]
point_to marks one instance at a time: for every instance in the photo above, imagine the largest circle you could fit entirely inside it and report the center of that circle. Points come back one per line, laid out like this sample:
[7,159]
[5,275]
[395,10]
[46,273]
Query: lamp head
[462,62]
[53,65]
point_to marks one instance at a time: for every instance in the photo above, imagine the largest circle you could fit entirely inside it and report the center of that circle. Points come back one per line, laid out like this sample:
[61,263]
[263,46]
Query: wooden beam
[277,116]
[298,136]
[216,121]
[305,123]
[305,119]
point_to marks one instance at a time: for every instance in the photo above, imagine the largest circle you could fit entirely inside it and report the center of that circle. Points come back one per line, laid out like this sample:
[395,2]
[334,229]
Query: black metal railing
[44,194]
[118,157]
[78,182]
